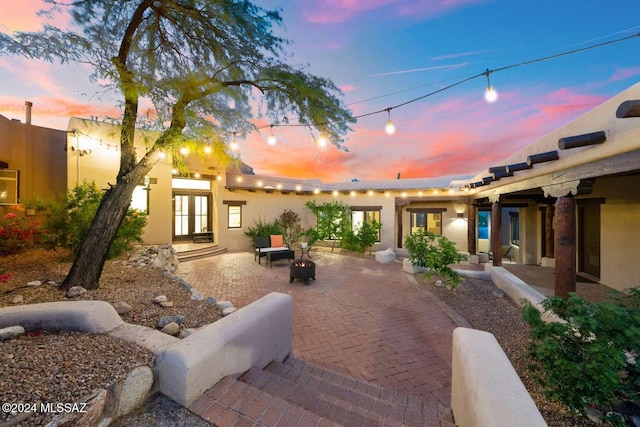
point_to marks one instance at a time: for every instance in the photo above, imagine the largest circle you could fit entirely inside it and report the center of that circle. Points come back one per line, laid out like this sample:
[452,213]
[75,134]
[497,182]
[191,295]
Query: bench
[203,237]
[270,245]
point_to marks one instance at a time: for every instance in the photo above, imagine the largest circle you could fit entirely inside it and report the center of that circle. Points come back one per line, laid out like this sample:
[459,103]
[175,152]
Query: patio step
[198,253]
[324,396]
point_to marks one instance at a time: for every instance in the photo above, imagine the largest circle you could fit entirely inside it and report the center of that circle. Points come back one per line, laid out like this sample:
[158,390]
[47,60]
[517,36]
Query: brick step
[320,378]
[234,403]
[205,252]
[338,404]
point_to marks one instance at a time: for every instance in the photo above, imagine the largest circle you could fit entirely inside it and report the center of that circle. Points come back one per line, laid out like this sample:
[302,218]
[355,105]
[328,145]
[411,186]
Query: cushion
[277,240]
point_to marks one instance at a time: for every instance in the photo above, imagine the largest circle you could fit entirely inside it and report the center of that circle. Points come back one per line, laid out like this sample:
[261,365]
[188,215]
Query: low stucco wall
[255,335]
[485,389]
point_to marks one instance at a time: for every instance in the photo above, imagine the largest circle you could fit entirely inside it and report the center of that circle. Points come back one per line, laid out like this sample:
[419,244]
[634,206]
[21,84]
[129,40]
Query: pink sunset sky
[384,53]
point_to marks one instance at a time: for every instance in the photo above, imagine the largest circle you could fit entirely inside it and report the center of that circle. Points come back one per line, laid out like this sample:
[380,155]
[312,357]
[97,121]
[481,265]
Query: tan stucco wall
[620,235]
[38,153]
[269,206]
[453,228]
[102,163]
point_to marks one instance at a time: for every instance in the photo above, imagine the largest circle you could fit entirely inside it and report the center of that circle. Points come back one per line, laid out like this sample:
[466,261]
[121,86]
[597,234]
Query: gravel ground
[474,301]
[64,367]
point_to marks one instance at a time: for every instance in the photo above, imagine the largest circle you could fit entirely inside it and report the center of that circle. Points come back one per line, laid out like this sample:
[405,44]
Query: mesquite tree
[207,67]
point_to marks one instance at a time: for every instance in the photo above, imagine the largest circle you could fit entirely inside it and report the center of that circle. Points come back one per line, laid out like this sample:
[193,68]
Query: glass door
[191,215]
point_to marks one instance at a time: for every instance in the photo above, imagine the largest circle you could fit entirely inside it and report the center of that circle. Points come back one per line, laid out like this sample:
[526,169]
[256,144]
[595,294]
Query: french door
[190,215]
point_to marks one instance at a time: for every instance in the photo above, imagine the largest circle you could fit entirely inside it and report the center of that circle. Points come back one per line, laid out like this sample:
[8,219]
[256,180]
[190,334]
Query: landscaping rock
[385,256]
[11,332]
[171,329]
[212,300]
[186,332]
[498,293]
[160,299]
[76,291]
[224,304]
[34,283]
[165,320]
[122,307]
[167,304]
[195,295]
[167,259]
[17,299]
[135,389]
[227,311]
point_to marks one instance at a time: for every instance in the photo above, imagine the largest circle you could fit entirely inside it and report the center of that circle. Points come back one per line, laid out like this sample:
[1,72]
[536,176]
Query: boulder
[385,256]
[11,332]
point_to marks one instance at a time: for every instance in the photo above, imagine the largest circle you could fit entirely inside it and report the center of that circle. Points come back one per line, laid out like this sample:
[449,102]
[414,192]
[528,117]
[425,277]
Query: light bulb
[390,129]
[184,151]
[272,139]
[234,146]
[322,141]
[207,149]
[490,95]
[162,154]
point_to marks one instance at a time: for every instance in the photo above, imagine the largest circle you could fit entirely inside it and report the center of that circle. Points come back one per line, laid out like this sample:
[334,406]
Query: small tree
[435,253]
[333,219]
[290,223]
[263,228]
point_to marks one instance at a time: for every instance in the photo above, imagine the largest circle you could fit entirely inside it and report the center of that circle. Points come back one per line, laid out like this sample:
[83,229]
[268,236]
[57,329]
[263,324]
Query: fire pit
[302,269]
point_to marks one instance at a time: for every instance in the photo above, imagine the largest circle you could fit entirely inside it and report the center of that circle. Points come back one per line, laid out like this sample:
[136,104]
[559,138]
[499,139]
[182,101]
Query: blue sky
[383,53]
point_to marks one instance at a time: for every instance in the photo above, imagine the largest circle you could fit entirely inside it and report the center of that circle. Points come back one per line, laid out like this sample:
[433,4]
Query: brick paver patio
[359,317]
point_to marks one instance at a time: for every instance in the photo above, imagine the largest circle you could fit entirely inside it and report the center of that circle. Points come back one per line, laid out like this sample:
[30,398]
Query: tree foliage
[589,359]
[333,219]
[203,66]
[436,253]
[362,238]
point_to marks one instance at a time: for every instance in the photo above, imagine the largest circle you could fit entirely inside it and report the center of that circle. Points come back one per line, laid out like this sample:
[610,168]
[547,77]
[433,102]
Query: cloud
[463,54]
[337,11]
[415,70]
[625,73]
[348,88]
[23,16]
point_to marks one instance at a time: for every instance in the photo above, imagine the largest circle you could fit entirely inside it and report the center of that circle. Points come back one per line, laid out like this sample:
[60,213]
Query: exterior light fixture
[162,154]
[490,95]
[184,151]
[147,183]
[279,186]
[352,194]
[390,129]
[239,179]
[460,215]
[404,194]
[322,141]
[272,138]
[174,171]
[298,187]
[335,193]
[196,175]
[207,149]
[259,183]
[316,191]
[370,192]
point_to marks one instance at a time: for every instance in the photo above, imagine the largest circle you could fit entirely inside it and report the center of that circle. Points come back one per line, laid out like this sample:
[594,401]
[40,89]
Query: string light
[272,138]
[234,143]
[390,129]
[207,149]
[322,141]
[184,151]
[490,95]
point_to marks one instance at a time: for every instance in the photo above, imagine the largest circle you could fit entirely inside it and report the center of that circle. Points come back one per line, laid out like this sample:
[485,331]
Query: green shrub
[67,221]
[333,221]
[361,239]
[263,228]
[435,253]
[584,360]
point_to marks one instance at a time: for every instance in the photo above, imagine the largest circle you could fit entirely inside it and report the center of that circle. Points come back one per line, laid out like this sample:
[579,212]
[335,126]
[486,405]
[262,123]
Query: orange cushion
[277,240]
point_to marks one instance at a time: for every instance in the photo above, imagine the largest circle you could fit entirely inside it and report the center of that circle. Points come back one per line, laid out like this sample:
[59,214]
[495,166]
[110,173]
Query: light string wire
[458,83]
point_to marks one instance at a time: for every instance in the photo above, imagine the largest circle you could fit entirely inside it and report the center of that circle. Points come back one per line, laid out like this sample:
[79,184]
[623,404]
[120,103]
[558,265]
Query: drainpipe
[28,106]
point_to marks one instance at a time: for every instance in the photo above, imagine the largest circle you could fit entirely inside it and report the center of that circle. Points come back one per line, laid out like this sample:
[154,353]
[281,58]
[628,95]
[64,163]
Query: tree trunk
[87,267]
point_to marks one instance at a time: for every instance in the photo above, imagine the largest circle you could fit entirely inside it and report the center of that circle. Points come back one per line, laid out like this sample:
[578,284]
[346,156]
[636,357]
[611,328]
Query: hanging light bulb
[322,141]
[272,138]
[490,95]
[207,149]
[390,129]
[234,143]
[184,151]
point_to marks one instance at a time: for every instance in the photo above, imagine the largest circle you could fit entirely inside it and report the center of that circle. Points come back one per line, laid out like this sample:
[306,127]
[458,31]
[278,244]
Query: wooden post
[472,229]
[565,246]
[548,232]
[399,222]
[496,225]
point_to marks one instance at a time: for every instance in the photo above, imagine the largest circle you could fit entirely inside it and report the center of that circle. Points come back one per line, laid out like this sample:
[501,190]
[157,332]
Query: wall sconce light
[147,183]
[460,215]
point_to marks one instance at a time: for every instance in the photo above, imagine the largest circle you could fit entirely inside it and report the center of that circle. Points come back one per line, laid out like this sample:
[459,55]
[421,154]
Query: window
[8,187]
[235,216]
[428,219]
[362,214]
[234,212]
[514,228]
[140,199]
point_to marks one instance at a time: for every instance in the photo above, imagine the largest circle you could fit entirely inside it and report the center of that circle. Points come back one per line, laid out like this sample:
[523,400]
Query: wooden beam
[582,140]
[542,157]
[628,109]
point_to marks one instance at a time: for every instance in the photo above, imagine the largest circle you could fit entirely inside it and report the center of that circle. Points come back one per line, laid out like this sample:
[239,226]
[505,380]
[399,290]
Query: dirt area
[64,367]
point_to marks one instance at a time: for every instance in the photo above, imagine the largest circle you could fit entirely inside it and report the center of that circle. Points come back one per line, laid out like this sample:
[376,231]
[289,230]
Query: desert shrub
[17,232]
[67,220]
[589,359]
[362,238]
[435,253]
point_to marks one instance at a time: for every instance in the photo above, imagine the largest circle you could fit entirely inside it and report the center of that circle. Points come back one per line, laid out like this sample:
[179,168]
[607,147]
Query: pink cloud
[625,73]
[22,15]
[348,88]
[336,11]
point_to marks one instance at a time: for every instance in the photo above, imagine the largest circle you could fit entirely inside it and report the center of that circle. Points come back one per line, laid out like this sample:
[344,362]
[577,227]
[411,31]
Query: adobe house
[569,200]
